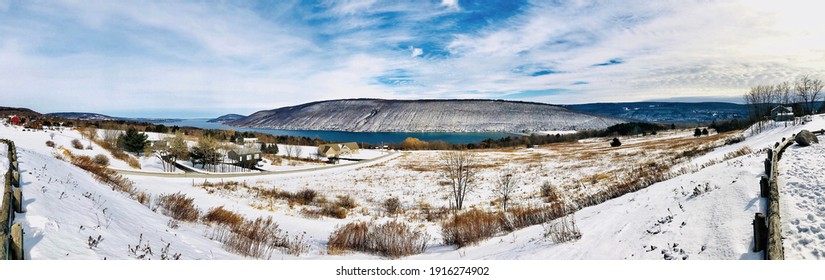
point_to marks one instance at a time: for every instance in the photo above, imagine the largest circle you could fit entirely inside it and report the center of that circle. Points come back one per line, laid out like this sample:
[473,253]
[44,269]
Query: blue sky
[207,58]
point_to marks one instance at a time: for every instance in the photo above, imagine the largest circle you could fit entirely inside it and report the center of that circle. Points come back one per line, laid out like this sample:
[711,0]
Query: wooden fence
[11,233]
[768,230]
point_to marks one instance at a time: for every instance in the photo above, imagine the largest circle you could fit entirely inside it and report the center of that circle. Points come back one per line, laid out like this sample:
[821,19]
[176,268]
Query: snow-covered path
[802,201]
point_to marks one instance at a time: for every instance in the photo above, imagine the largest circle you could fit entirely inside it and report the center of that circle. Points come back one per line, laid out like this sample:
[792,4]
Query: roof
[783,108]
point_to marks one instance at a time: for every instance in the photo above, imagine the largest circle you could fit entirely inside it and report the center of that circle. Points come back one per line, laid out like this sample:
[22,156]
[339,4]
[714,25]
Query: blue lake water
[361,137]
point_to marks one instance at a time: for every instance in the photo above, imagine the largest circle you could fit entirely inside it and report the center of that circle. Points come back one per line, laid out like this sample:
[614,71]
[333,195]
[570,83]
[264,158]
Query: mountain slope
[227,118]
[666,112]
[374,115]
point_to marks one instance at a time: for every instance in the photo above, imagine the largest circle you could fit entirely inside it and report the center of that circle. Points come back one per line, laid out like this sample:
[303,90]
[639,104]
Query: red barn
[15,120]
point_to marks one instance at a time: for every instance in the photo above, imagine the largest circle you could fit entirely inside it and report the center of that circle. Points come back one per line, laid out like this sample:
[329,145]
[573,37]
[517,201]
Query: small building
[245,156]
[15,120]
[250,140]
[782,113]
[338,149]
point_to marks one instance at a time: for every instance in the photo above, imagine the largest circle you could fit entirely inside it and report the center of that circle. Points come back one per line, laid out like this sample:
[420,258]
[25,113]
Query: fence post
[768,166]
[760,233]
[17,202]
[764,186]
[16,246]
[15,178]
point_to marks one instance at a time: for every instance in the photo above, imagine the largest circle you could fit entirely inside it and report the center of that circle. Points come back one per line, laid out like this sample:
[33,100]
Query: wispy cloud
[207,58]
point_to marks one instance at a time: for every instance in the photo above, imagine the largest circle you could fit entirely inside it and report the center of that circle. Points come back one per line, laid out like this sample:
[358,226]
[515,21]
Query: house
[338,149]
[14,120]
[244,156]
[250,140]
[782,113]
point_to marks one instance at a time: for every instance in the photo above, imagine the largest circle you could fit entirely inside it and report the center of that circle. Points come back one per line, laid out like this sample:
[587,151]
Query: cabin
[246,157]
[338,149]
[782,113]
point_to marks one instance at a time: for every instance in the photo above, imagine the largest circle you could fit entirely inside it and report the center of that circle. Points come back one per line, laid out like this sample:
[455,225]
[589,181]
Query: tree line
[802,95]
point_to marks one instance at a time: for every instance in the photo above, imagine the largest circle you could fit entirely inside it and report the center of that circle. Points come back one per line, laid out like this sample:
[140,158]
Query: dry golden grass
[392,239]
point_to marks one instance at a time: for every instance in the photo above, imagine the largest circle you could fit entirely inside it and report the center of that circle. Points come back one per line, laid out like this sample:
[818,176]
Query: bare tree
[784,93]
[807,90]
[506,185]
[459,167]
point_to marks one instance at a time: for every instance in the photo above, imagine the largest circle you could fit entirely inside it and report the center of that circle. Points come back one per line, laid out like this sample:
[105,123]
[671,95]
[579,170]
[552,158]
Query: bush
[224,217]
[346,202]
[392,239]
[470,227]
[328,210]
[392,205]
[50,144]
[615,142]
[104,175]
[77,145]
[256,238]
[179,207]
[549,192]
[101,159]
[305,196]
[562,230]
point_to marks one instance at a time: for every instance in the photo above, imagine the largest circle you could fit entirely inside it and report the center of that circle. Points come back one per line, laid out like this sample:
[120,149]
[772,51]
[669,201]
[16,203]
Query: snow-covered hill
[426,115]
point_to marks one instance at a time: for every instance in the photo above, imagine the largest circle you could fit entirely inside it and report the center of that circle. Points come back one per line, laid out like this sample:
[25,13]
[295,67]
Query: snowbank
[802,190]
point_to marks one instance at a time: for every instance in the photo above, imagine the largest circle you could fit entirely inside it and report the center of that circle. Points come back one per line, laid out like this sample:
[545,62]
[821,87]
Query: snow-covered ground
[802,201]
[702,215]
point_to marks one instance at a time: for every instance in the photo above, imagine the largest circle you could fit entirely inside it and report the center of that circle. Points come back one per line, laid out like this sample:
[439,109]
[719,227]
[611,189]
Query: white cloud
[452,4]
[416,52]
[221,59]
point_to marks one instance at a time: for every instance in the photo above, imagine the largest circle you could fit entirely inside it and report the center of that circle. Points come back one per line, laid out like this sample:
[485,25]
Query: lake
[360,137]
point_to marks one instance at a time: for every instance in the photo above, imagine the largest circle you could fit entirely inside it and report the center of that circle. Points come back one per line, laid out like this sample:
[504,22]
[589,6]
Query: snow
[702,215]
[802,201]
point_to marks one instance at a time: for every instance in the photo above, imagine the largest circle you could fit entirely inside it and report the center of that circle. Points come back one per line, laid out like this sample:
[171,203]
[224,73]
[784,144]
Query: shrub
[615,142]
[392,239]
[346,202]
[549,192]
[50,144]
[392,205]
[222,216]
[562,230]
[101,159]
[521,217]
[77,145]
[256,238]
[305,196]
[102,174]
[179,207]
[470,227]
[328,210]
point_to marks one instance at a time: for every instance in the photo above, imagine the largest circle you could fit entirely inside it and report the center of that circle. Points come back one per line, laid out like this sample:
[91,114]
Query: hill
[666,112]
[378,115]
[227,118]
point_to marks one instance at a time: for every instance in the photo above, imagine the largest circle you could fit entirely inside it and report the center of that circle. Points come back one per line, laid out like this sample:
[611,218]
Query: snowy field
[802,200]
[705,213]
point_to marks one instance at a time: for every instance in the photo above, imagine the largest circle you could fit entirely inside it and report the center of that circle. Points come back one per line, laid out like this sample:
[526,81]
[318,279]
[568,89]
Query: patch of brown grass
[221,216]
[470,227]
[179,207]
[392,239]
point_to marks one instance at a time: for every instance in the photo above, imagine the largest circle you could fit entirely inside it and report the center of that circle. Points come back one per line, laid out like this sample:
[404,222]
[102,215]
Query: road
[231,175]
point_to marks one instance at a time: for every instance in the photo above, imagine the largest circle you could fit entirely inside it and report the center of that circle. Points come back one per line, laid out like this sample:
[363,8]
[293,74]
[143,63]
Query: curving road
[233,175]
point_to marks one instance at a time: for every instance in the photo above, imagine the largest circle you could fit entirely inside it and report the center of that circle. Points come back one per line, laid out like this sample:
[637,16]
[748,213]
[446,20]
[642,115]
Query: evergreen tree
[697,132]
[704,131]
[133,141]
[615,142]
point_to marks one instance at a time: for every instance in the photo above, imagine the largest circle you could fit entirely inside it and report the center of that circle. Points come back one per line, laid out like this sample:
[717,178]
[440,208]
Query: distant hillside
[227,118]
[666,112]
[376,115]
[25,112]
[101,117]
[82,116]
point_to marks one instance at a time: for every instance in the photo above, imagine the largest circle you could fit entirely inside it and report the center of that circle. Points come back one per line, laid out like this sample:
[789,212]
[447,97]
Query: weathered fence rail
[11,233]
[768,230]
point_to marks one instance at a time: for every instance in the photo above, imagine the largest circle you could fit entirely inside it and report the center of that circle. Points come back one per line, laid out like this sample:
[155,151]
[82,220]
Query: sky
[209,58]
